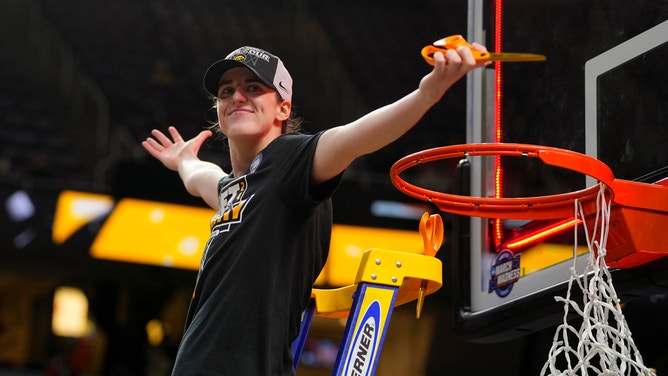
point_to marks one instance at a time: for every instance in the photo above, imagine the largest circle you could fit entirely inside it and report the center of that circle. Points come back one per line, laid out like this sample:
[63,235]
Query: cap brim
[212,75]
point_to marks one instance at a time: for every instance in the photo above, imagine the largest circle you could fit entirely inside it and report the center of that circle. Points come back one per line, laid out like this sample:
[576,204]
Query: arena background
[83,82]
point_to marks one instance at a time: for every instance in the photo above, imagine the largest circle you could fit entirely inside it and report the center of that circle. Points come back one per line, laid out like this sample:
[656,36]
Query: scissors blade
[515,57]
[480,56]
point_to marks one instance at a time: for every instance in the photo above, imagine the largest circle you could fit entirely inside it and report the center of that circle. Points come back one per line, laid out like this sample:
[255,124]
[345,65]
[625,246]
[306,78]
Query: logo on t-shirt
[232,204]
[256,163]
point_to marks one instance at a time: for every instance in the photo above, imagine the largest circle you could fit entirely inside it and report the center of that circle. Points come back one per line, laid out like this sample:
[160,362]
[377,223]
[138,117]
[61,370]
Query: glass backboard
[602,92]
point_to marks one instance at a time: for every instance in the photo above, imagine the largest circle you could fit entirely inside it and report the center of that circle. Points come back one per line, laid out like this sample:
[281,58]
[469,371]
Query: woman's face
[247,107]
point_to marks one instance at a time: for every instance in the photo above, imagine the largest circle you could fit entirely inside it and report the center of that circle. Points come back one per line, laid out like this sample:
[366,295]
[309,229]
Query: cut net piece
[602,344]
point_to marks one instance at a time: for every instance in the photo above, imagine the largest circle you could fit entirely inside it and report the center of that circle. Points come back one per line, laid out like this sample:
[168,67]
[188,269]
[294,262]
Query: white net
[602,344]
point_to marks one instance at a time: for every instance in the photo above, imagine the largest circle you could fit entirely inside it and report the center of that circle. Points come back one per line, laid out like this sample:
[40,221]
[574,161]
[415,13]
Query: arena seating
[147,58]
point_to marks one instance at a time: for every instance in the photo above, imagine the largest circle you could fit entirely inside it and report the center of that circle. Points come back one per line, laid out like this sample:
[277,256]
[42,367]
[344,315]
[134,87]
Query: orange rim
[538,207]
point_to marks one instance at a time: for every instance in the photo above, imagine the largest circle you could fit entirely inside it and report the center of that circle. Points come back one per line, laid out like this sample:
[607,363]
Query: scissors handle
[431,228]
[451,43]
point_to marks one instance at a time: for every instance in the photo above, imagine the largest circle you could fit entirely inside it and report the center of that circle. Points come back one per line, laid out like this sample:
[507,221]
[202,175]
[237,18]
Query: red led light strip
[541,234]
[498,90]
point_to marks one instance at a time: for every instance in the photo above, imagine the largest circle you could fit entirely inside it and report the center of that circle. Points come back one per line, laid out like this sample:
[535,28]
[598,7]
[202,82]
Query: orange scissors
[431,229]
[455,41]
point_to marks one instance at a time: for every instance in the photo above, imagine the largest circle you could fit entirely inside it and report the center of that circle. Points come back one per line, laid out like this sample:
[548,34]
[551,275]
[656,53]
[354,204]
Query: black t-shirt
[268,243]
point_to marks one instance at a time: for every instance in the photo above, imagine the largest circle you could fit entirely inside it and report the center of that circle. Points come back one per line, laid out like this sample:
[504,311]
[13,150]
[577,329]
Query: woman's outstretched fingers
[176,136]
[161,138]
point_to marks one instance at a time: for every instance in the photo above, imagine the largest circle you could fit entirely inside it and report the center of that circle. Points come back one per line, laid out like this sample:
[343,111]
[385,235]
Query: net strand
[602,344]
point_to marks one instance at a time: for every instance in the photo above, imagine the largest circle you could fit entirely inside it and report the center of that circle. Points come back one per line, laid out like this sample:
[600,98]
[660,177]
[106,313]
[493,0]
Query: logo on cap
[240,58]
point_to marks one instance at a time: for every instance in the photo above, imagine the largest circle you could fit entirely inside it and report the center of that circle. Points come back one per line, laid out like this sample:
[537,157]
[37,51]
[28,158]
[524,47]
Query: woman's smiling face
[246,106]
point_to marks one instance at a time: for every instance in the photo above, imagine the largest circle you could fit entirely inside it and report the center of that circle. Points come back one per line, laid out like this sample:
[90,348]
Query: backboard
[602,92]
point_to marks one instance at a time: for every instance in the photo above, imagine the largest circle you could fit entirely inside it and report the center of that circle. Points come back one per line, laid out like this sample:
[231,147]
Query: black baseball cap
[267,66]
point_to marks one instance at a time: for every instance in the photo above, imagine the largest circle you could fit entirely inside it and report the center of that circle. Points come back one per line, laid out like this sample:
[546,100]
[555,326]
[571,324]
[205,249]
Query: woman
[270,236]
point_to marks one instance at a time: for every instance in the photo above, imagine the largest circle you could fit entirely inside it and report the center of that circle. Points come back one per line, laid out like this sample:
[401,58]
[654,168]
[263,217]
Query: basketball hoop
[639,213]
[538,207]
[624,224]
